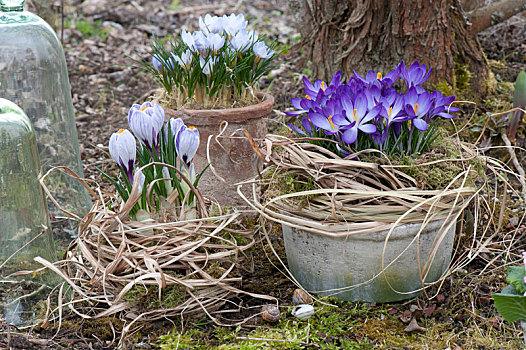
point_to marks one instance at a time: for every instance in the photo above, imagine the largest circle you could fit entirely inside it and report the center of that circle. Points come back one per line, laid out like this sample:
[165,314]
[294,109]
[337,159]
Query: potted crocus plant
[369,190]
[210,77]
[151,250]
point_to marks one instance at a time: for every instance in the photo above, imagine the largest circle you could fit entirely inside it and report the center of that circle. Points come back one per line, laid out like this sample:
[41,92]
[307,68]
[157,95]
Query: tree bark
[485,17]
[376,34]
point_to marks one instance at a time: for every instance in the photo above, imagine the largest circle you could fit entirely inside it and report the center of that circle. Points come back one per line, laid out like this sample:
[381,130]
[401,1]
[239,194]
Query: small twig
[515,162]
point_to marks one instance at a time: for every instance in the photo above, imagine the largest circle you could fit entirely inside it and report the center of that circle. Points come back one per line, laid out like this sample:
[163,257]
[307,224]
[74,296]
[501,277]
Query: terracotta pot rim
[214,116]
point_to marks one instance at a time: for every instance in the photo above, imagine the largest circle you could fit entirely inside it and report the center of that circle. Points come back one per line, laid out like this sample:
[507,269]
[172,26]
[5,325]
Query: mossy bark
[365,34]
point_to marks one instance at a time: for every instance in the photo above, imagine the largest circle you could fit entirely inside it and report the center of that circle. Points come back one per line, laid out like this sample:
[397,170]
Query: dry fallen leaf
[413,326]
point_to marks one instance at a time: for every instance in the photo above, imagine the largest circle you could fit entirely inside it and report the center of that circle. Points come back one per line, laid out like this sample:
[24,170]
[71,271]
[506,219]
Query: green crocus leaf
[511,304]
[516,276]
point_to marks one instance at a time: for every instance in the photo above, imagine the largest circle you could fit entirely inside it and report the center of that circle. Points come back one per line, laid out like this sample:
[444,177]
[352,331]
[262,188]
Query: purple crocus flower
[312,90]
[186,143]
[357,117]
[377,79]
[241,41]
[261,50]
[123,151]
[146,121]
[329,118]
[296,129]
[307,127]
[441,106]
[211,24]
[392,112]
[200,41]
[185,60]
[233,24]
[215,42]
[188,39]
[417,106]
[296,103]
[415,75]
[207,65]
[156,63]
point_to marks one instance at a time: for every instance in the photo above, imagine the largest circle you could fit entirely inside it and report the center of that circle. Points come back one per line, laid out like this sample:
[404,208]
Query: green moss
[444,87]
[438,167]
[462,76]
[332,327]
[148,296]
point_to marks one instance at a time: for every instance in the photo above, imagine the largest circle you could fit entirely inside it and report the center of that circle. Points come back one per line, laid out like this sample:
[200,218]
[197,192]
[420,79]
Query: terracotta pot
[231,155]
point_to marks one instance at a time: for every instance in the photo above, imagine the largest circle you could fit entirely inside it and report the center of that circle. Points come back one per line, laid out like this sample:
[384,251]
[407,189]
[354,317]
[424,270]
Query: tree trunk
[376,34]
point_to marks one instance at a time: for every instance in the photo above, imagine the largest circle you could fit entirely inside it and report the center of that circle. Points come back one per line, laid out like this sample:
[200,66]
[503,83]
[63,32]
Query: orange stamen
[323,85]
[307,97]
[120,131]
[416,108]
[379,76]
[191,127]
[355,115]
[390,111]
[331,123]
[143,108]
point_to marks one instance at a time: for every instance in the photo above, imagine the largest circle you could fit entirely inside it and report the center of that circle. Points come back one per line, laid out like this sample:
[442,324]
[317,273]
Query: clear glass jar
[33,75]
[25,232]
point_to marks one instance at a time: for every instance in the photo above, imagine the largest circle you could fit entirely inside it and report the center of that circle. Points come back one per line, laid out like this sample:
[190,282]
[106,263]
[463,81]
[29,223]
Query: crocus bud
[187,143]
[141,179]
[156,63]
[123,151]
[146,122]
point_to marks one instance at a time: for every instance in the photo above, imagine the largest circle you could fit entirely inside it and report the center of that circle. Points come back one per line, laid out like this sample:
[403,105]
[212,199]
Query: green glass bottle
[33,75]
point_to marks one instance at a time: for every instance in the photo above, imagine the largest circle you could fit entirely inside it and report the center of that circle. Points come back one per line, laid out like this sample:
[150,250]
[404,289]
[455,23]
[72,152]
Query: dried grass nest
[145,271]
[310,188]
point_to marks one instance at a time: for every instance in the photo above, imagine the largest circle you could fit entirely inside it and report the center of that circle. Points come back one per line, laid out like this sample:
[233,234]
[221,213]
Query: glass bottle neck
[11,5]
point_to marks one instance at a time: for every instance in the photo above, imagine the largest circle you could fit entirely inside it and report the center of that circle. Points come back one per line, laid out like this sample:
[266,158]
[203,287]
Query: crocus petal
[420,124]
[368,128]
[350,135]
[321,122]
[296,129]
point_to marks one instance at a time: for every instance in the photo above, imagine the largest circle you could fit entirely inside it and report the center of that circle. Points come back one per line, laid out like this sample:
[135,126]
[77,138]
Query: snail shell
[301,297]
[270,313]
[303,311]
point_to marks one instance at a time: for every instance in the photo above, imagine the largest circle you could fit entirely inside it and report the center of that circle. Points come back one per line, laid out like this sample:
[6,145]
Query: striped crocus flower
[187,142]
[146,121]
[123,151]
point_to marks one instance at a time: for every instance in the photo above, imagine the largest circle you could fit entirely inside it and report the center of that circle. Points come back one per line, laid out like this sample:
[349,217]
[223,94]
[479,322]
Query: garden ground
[99,36]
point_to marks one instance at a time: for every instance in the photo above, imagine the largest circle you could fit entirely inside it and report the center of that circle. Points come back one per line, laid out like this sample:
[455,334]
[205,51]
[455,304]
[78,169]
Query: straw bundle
[346,196]
[115,260]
